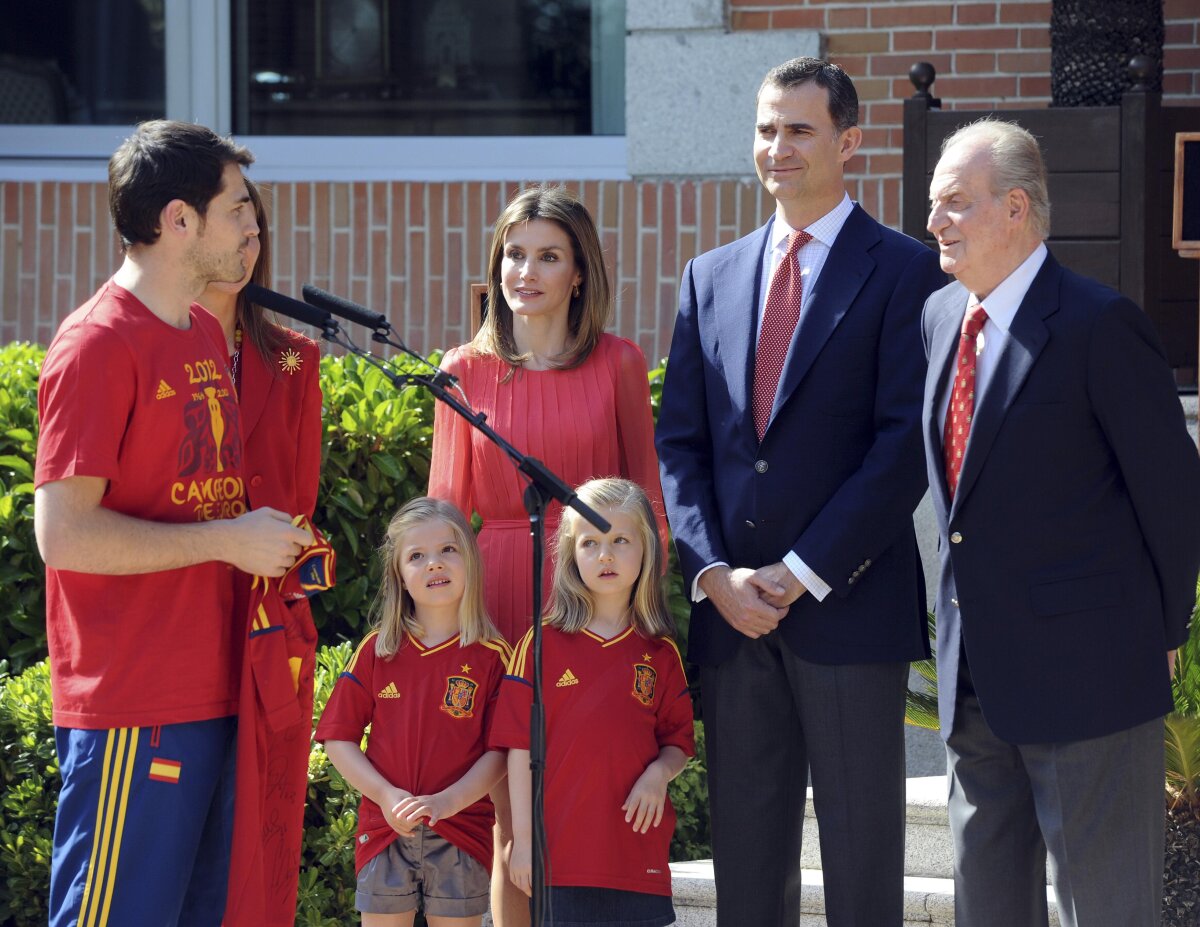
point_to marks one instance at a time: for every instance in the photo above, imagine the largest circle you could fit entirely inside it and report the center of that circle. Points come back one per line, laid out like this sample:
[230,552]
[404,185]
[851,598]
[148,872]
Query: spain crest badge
[643,683]
[459,700]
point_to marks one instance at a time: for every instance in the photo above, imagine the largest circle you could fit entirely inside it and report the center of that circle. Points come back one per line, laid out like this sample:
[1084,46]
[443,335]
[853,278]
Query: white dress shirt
[1001,306]
[811,259]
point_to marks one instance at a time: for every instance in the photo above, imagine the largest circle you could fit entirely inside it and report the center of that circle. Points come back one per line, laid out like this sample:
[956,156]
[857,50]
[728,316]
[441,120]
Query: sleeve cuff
[698,593]
[816,586]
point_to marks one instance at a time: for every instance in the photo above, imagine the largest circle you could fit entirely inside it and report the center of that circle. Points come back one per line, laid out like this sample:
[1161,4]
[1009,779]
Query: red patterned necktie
[962,399]
[778,324]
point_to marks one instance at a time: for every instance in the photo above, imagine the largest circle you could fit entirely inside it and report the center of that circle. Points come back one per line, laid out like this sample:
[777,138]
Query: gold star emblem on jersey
[164,390]
[289,361]
[466,667]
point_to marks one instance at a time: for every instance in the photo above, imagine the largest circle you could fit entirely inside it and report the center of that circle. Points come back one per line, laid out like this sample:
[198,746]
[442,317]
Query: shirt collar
[824,230]
[1004,301]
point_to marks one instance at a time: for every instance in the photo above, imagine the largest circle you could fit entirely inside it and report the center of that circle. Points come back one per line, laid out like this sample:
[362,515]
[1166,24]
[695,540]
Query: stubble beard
[212,267]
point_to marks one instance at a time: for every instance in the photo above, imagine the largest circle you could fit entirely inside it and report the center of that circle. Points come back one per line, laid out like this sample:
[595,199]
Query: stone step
[928,849]
[927,901]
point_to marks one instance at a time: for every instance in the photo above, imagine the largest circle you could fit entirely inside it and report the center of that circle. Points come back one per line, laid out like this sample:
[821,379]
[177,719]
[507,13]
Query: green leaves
[1185,684]
[29,784]
[922,708]
[1182,742]
[1182,730]
[23,606]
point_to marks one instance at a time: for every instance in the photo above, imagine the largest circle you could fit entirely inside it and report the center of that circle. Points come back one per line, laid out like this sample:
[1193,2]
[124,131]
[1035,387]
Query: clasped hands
[405,811]
[753,602]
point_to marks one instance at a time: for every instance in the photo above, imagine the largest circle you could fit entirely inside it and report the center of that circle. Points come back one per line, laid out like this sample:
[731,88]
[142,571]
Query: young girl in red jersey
[425,681]
[618,721]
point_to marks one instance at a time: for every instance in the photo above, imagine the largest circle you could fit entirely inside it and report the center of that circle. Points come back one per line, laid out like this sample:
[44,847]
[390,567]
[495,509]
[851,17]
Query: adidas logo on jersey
[389,691]
[567,679]
[164,390]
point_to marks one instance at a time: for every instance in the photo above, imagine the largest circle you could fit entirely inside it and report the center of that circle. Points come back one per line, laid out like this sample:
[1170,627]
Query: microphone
[381,328]
[375,321]
[292,308]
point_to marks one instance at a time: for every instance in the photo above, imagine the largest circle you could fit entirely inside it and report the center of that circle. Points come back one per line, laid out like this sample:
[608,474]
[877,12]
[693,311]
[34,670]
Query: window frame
[199,87]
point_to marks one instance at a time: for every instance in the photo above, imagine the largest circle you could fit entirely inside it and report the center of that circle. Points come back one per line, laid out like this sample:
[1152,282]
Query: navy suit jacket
[840,467]
[1070,552]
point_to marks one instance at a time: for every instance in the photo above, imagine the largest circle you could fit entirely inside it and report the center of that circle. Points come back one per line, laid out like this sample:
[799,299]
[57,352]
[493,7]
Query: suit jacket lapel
[736,285]
[846,270]
[1026,338]
[257,381]
[948,312]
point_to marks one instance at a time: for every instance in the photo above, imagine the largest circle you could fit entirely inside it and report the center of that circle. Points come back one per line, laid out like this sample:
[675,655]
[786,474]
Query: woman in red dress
[276,372]
[560,389]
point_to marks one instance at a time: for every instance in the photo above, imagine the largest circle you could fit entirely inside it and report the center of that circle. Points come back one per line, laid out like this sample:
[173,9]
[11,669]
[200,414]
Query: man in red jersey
[141,517]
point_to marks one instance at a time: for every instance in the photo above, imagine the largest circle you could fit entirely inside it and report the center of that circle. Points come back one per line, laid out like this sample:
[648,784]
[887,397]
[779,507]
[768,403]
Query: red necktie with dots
[778,325]
[962,399]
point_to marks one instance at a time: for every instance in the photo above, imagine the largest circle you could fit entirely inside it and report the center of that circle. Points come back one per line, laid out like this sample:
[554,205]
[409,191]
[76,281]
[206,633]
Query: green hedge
[29,783]
[23,605]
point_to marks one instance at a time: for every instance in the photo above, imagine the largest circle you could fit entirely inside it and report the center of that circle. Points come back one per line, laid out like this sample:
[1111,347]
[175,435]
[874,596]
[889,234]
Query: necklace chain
[235,362]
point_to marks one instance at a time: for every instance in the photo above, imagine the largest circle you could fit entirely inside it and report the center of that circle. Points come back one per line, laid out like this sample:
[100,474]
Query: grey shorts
[425,865]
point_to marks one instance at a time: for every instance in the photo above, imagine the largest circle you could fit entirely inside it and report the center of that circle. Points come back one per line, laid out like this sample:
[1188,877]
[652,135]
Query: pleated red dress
[590,421]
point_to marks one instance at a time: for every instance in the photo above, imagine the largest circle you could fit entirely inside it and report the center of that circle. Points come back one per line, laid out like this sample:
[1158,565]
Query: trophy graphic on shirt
[216,421]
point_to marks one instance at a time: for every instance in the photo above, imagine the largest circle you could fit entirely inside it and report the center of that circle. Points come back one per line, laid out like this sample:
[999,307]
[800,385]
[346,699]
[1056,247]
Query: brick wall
[988,54]
[406,249]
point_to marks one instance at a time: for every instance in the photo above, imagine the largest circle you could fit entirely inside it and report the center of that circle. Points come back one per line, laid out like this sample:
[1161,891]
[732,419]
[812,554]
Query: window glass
[429,67]
[82,62]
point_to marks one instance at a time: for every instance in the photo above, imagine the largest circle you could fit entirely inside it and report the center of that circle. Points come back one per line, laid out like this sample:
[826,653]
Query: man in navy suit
[790,443]
[1067,493]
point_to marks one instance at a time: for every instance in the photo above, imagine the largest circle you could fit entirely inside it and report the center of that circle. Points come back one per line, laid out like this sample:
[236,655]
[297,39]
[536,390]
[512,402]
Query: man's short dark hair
[843,98]
[166,160]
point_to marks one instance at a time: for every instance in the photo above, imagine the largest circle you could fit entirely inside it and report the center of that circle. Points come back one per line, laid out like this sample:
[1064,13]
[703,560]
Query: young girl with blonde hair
[618,721]
[425,681]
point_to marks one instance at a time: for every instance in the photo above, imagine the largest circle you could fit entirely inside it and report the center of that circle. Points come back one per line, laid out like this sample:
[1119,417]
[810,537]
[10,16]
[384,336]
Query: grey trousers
[1095,807]
[769,717]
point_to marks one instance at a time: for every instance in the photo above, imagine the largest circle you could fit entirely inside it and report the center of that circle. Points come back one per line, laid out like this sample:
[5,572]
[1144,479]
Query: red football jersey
[611,706]
[429,709]
[150,408]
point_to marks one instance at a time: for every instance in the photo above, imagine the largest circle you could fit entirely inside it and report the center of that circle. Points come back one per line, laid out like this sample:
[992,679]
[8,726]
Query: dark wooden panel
[913,209]
[1083,138]
[1180,276]
[1085,205]
[1139,122]
[1163,191]
[1099,260]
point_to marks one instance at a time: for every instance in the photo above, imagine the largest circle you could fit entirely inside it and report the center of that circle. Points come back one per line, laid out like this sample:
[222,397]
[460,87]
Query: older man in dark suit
[1067,492]
[790,444]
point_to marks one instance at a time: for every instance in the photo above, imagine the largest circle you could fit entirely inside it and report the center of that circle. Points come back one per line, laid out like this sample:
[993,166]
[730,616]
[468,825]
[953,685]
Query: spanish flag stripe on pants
[124,804]
[143,831]
[86,908]
[110,823]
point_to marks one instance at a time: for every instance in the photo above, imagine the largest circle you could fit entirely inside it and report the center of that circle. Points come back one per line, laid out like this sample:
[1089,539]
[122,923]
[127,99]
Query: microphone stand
[544,487]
